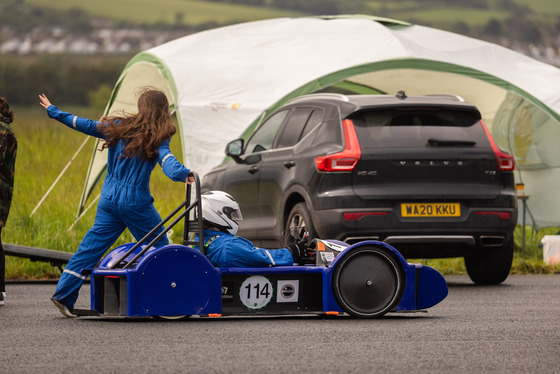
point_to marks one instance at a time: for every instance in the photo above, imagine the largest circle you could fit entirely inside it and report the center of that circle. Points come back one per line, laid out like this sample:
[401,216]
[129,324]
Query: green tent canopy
[222,83]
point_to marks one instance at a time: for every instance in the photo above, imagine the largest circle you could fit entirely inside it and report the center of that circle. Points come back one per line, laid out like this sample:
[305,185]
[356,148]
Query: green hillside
[470,12]
[186,12]
[525,21]
[193,12]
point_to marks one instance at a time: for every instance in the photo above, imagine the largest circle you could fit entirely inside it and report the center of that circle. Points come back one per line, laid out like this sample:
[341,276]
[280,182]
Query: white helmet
[221,210]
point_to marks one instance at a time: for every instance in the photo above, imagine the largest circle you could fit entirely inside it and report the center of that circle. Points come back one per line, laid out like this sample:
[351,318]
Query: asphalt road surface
[511,328]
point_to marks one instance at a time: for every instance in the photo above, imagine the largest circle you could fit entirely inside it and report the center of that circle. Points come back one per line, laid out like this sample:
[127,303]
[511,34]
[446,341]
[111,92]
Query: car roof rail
[448,96]
[325,95]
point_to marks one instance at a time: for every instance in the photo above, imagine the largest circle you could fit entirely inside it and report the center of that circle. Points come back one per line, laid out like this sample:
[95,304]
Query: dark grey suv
[420,173]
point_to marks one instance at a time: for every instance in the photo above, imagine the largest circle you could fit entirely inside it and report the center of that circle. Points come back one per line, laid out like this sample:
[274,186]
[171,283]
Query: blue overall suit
[226,250]
[125,202]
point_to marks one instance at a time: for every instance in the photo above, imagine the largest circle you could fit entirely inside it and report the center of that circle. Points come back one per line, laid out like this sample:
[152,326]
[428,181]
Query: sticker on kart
[256,292]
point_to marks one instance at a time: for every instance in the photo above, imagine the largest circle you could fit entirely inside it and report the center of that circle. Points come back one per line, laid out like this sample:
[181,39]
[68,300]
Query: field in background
[436,13]
[44,149]
[169,12]
[195,13]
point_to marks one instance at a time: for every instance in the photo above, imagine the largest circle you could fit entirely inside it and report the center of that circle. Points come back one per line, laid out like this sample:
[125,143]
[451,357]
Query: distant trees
[493,28]
[23,17]
[68,79]
[519,27]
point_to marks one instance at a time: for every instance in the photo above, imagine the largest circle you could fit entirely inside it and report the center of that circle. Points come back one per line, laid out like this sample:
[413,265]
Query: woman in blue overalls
[135,144]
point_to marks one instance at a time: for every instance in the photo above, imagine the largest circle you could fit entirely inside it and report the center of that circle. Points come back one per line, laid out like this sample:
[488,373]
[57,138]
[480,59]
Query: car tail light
[505,160]
[501,215]
[348,158]
[357,216]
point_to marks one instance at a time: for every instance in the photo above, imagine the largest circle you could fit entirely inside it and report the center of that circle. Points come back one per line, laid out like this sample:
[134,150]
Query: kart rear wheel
[368,282]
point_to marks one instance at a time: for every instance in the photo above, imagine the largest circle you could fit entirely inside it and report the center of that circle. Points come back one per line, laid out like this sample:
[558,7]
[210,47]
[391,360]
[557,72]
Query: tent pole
[84,212]
[59,176]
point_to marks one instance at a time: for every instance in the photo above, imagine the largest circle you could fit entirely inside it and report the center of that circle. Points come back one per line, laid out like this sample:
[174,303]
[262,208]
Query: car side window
[291,132]
[314,120]
[264,136]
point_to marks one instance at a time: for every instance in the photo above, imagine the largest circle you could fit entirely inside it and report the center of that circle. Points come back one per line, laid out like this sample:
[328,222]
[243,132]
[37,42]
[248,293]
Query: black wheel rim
[367,283]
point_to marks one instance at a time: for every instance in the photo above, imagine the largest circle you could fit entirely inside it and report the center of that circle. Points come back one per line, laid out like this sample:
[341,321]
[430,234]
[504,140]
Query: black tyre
[298,223]
[490,265]
[368,282]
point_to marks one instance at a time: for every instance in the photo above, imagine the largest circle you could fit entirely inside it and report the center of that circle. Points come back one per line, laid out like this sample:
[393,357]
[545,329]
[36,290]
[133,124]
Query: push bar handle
[198,205]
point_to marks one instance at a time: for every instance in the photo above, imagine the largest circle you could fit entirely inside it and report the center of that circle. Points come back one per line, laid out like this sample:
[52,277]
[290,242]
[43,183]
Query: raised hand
[45,103]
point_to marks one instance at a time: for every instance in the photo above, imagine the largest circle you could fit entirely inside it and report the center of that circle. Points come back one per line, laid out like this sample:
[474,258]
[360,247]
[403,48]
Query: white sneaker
[2,295]
[63,309]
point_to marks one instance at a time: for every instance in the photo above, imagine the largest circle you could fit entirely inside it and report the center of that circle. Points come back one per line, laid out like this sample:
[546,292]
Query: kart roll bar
[194,226]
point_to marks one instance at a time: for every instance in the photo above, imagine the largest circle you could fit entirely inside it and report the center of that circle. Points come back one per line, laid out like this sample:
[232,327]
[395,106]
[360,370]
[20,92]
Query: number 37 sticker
[256,292]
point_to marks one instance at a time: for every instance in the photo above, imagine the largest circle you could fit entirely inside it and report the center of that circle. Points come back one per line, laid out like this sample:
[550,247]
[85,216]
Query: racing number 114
[256,292]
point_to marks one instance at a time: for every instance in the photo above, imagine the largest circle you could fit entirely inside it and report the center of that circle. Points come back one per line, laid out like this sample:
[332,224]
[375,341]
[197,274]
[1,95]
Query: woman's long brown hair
[144,132]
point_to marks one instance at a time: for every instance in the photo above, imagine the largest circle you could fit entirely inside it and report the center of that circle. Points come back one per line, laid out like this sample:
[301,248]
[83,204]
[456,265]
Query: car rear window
[416,127]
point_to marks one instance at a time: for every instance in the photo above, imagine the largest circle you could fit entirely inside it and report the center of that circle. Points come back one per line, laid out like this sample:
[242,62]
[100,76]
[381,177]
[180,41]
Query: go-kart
[365,280]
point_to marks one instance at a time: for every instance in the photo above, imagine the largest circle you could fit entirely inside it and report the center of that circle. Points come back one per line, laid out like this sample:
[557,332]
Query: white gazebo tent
[222,83]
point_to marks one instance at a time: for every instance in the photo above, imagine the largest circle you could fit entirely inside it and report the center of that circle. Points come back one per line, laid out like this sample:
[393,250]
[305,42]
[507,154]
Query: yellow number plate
[431,210]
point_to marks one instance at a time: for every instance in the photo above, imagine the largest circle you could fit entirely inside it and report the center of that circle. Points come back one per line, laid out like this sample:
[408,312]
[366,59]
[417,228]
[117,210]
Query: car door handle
[289,164]
[253,169]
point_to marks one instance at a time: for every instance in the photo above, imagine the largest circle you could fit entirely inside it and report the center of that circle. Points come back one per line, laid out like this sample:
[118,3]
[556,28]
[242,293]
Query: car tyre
[490,266]
[368,282]
[299,222]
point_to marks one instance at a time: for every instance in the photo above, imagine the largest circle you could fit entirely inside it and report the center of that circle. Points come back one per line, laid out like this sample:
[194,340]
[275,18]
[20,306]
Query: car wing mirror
[234,149]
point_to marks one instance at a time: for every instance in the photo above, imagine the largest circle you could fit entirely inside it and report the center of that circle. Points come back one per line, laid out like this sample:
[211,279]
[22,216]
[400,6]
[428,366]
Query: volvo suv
[421,173]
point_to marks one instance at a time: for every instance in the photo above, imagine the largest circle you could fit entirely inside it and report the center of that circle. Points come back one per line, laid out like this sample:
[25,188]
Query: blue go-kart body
[365,280]
[177,280]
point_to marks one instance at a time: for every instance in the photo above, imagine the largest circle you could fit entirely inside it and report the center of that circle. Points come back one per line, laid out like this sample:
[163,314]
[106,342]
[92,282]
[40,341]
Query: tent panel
[531,134]
[139,75]
[485,96]
[543,204]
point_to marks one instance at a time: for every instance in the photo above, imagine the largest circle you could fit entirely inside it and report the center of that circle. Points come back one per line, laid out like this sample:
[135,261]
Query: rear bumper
[422,237]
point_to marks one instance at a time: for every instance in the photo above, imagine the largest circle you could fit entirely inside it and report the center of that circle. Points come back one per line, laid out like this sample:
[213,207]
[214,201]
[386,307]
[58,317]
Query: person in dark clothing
[8,150]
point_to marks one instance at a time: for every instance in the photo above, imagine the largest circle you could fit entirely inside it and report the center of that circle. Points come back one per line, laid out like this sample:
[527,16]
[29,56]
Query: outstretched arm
[87,126]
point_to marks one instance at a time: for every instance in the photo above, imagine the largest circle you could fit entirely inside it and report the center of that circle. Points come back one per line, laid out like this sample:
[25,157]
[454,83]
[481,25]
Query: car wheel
[298,224]
[490,265]
[368,282]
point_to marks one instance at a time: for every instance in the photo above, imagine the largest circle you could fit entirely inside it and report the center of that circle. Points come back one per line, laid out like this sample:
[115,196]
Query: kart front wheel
[368,282]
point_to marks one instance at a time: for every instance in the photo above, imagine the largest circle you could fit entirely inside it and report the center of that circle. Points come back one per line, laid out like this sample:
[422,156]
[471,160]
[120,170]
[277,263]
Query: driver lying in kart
[220,212]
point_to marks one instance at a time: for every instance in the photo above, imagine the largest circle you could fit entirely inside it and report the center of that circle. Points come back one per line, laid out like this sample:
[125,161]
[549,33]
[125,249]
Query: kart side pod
[171,280]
